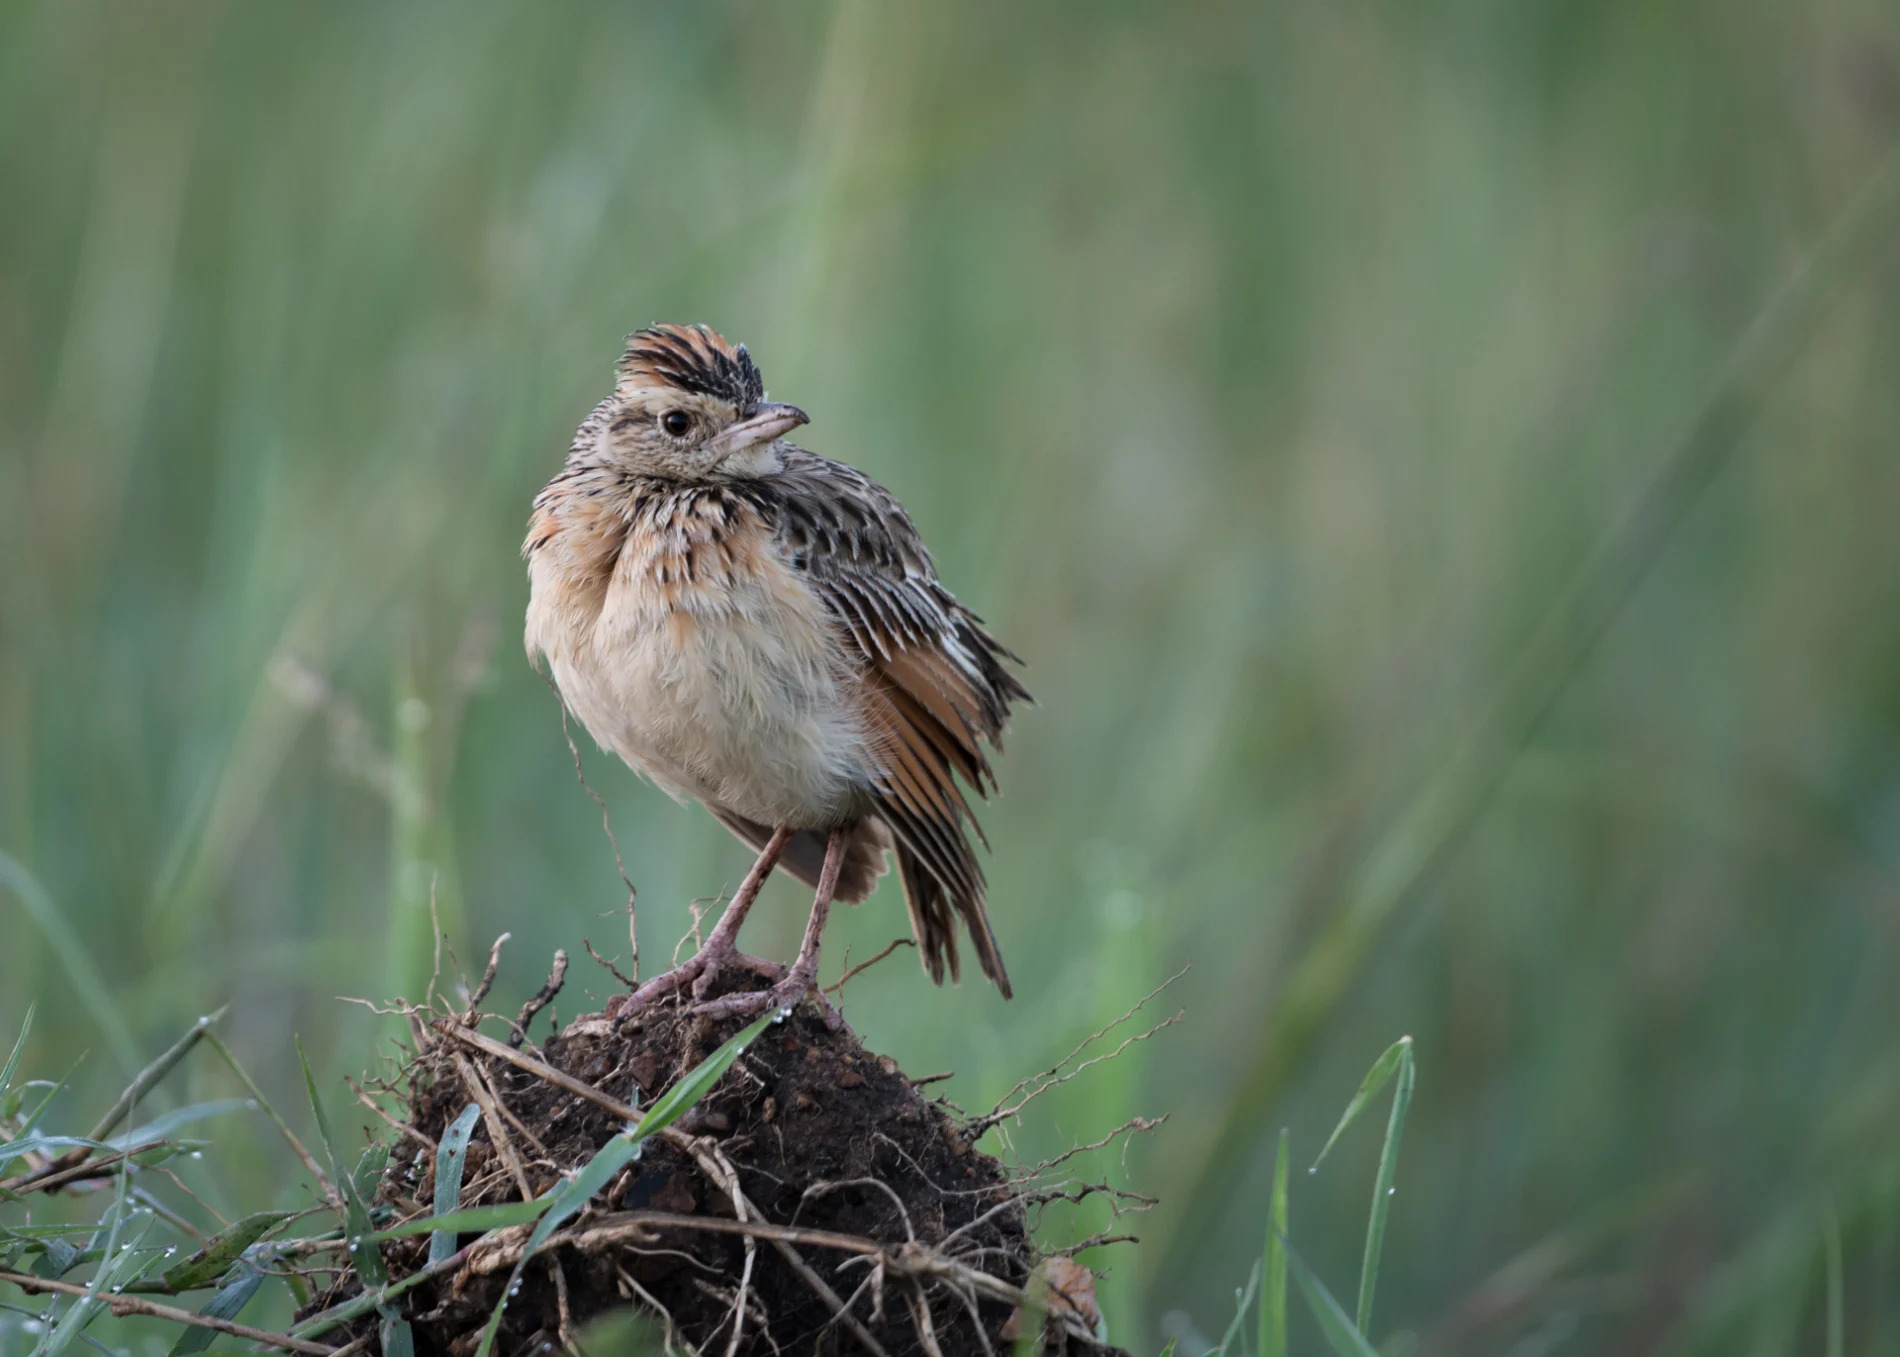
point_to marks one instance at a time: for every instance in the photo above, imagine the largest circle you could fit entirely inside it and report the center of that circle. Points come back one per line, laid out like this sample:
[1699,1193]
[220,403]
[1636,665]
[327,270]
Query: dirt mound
[814,1199]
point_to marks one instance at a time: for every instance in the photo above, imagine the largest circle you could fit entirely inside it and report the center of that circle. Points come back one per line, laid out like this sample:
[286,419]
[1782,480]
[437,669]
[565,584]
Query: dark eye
[676,422]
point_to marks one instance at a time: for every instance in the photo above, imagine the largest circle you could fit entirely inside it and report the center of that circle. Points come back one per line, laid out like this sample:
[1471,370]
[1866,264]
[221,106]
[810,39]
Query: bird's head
[690,406]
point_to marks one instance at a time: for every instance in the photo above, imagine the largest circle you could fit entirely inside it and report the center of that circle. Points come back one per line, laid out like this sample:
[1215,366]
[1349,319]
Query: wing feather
[934,689]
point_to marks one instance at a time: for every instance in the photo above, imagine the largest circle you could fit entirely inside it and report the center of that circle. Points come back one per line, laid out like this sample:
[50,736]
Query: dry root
[814,1201]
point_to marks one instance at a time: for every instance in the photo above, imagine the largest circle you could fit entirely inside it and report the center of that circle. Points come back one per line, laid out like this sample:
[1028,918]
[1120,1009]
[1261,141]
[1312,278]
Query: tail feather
[933,921]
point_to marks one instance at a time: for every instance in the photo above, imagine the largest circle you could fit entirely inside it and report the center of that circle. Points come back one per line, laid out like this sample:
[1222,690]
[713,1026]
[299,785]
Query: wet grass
[1439,466]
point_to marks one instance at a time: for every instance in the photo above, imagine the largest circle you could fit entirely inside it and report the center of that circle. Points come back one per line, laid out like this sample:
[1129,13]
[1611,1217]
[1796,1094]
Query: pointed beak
[764,426]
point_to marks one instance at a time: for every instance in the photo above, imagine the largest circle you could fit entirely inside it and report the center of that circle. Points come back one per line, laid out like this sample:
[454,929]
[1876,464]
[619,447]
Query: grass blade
[673,1104]
[1273,1296]
[472,1221]
[290,1137]
[117,1266]
[324,1137]
[1242,1300]
[1382,1187]
[1836,1300]
[230,1299]
[222,1250]
[7,1154]
[161,1127]
[95,995]
[367,1258]
[569,1197]
[1381,1070]
[450,1159]
[1341,1333]
[19,1045]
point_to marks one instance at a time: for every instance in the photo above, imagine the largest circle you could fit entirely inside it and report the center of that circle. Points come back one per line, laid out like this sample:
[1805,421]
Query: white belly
[734,691]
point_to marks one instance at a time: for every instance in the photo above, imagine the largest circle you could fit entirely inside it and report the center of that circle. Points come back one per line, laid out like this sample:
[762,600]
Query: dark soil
[804,1107]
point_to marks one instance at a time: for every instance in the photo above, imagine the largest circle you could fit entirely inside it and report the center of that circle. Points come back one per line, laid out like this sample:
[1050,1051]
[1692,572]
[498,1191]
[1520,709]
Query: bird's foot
[694,976]
[712,962]
[799,983]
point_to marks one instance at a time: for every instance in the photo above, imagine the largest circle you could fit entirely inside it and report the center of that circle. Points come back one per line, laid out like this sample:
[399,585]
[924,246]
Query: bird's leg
[721,946]
[802,979]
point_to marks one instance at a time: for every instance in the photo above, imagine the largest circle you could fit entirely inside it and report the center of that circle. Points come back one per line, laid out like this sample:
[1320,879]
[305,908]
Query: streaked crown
[692,358]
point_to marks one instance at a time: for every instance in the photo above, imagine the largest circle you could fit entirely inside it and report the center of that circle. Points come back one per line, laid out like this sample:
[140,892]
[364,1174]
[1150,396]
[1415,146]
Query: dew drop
[781,1015]
[197,1154]
[1391,1192]
[1314,1169]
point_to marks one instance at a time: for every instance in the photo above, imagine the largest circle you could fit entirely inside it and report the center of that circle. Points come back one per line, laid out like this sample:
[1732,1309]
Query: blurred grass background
[1266,374]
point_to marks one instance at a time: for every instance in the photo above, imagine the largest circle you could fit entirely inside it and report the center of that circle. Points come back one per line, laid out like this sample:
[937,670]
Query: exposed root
[812,1198]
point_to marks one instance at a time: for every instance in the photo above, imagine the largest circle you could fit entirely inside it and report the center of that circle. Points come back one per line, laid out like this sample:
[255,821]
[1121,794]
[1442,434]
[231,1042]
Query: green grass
[126,1244]
[1438,461]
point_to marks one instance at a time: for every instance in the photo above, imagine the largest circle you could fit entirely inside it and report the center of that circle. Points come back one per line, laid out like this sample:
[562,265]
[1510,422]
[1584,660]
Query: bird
[761,629]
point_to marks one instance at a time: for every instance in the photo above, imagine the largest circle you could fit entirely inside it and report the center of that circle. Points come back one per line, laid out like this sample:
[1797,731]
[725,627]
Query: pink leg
[722,946]
[802,979]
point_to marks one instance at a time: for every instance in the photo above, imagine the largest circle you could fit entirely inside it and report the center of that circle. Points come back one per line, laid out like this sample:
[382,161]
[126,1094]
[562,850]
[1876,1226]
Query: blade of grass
[673,1104]
[1273,1296]
[570,1196]
[33,1119]
[1382,1187]
[220,1252]
[117,1267]
[19,1045]
[324,1138]
[1836,1299]
[1341,1333]
[1243,1300]
[161,1127]
[450,1159]
[365,1256]
[290,1137]
[147,1078]
[95,995]
[226,1304]
[474,1219]
[1382,1070]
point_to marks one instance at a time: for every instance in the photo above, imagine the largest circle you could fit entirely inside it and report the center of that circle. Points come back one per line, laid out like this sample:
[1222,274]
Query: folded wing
[933,685]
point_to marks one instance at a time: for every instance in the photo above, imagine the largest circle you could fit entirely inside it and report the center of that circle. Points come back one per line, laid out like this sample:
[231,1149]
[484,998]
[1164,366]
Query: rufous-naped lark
[761,629]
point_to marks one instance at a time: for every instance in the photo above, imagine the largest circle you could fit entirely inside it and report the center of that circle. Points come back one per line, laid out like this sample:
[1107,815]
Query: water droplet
[204,1020]
[251,1104]
[782,1014]
[1314,1169]
[1391,1192]
[197,1154]
[117,1289]
[170,1251]
[352,1246]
